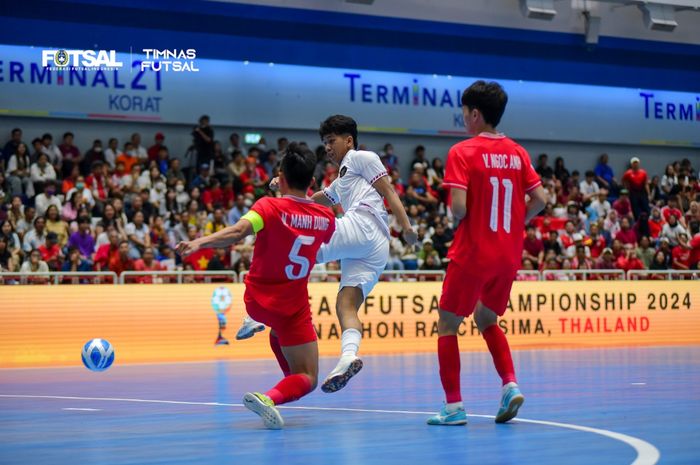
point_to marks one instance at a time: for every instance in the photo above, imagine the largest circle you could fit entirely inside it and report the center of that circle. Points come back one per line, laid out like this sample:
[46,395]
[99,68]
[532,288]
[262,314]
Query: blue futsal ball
[98,355]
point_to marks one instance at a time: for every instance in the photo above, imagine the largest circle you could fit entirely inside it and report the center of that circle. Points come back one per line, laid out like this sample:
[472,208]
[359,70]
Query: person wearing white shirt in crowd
[612,223]
[36,237]
[144,181]
[182,198]
[578,240]
[46,198]
[42,171]
[672,229]
[139,236]
[80,186]
[157,196]
[51,150]
[139,150]
[600,203]
[17,172]
[588,187]
[112,152]
[34,264]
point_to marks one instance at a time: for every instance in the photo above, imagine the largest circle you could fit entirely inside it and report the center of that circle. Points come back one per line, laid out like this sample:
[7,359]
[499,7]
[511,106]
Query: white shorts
[362,247]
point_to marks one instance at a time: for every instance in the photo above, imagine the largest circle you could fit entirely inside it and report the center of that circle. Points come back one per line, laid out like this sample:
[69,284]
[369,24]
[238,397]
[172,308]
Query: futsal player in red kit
[489,177]
[289,231]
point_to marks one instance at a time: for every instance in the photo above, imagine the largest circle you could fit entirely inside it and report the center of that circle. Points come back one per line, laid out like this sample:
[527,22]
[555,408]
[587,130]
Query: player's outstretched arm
[538,199]
[387,191]
[321,199]
[224,238]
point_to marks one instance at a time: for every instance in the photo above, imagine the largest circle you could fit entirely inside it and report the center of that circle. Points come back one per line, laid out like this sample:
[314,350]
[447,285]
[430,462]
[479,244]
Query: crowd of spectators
[125,207]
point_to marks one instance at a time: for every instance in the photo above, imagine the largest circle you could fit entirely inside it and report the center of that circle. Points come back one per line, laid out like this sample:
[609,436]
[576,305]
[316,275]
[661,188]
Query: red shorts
[464,287]
[293,328]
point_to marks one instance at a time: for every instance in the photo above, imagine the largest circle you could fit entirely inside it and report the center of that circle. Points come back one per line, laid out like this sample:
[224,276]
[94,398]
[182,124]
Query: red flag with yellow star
[200,259]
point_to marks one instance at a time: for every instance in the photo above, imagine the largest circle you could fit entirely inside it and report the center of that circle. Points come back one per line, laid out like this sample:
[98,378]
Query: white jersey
[353,189]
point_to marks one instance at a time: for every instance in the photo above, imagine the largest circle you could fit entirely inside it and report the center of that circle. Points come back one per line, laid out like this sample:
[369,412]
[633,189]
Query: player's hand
[410,236]
[275,184]
[186,248]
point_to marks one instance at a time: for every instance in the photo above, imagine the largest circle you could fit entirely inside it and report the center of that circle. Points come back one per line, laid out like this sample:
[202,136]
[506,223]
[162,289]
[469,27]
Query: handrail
[524,273]
[56,276]
[177,274]
[556,275]
[668,274]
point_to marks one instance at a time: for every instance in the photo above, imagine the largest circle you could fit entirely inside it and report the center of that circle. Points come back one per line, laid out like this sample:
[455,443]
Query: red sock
[498,346]
[291,388]
[448,357]
[277,349]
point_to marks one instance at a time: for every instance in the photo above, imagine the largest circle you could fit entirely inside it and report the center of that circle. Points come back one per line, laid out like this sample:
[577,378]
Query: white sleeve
[331,192]
[11,165]
[130,229]
[368,165]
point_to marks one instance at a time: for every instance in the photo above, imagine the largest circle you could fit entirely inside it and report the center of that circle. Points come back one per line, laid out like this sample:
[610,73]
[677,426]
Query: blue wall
[294,36]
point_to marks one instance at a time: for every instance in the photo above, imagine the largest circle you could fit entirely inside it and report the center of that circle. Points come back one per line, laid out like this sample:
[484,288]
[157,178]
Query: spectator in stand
[221,261]
[121,261]
[580,260]
[75,263]
[533,248]
[112,153]
[552,243]
[427,251]
[4,191]
[237,165]
[83,239]
[92,156]
[11,145]
[202,179]
[672,230]
[34,264]
[8,263]
[578,241]
[626,234]
[107,252]
[213,196]
[656,223]
[96,182]
[543,169]
[40,172]
[600,203]
[655,192]
[15,214]
[645,252]
[216,224]
[681,255]
[51,252]
[72,207]
[147,263]
[34,238]
[673,208]
[660,263]
[641,227]
[54,224]
[588,187]
[629,261]
[597,241]
[139,150]
[669,182]
[254,179]
[419,158]
[18,172]
[623,205]
[419,192]
[175,174]
[239,209]
[203,140]
[129,158]
[527,265]
[138,234]
[154,149]
[182,198]
[618,249]
[605,177]
[635,181]
[611,223]
[560,171]
[665,247]
[389,159]
[235,145]
[52,151]
[70,153]
[606,261]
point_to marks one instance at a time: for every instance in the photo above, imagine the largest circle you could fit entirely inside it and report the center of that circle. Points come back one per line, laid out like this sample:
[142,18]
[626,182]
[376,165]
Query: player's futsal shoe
[444,418]
[511,400]
[265,407]
[347,367]
[248,328]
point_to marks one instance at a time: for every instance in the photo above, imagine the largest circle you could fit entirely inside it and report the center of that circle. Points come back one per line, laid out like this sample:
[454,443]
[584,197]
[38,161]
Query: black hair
[340,125]
[36,140]
[47,136]
[16,130]
[590,174]
[298,166]
[487,97]
[68,134]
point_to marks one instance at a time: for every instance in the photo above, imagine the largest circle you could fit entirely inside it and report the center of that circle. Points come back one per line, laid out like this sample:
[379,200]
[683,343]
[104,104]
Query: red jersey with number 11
[285,251]
[496,172]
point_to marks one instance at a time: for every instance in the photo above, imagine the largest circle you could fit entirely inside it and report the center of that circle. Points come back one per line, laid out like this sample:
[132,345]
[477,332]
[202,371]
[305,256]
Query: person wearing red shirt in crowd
[488,176]
[636,181]
[626,234]
[618,249]
[567,237]
[253,178]
[228,195]
[672,209]
[682,253]
[121,261]
[656,223]
[622,205]
[695,254]
[533,248]
[289,232]
[213,196]
[155,148]
[51,252]
[606,261]
[629,260]
[106,253]
[69,181]
[598,242]
[147,262]
[97,182]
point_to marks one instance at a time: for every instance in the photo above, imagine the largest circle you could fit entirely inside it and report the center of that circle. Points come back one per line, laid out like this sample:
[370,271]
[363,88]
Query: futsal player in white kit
[361,239]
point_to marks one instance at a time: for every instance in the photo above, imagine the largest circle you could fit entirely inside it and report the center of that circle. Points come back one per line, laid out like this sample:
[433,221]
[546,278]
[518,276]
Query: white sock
[350,341]
[454,406]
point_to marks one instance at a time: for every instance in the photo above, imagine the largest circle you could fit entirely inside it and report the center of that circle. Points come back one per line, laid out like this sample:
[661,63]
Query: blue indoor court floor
[620,406]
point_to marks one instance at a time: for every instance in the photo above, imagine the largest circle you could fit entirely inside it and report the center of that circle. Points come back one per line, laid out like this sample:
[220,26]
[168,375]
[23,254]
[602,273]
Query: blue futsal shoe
[511,400]
[445,418]
[248,328]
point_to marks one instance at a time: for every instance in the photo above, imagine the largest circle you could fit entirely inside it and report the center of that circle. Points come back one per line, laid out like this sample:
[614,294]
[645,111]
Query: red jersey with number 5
[496,172]
[285,251]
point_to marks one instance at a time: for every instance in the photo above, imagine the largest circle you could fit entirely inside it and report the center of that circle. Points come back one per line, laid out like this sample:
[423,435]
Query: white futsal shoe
[265,408]
[248,328]
[347,367]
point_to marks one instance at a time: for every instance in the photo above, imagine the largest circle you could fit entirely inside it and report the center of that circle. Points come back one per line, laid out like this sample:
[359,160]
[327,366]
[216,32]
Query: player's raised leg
[511,397]
[452,412]
[348,304]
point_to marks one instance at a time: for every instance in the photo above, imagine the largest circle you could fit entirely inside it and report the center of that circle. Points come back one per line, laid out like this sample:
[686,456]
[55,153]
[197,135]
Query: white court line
[647,454]
[82,409]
